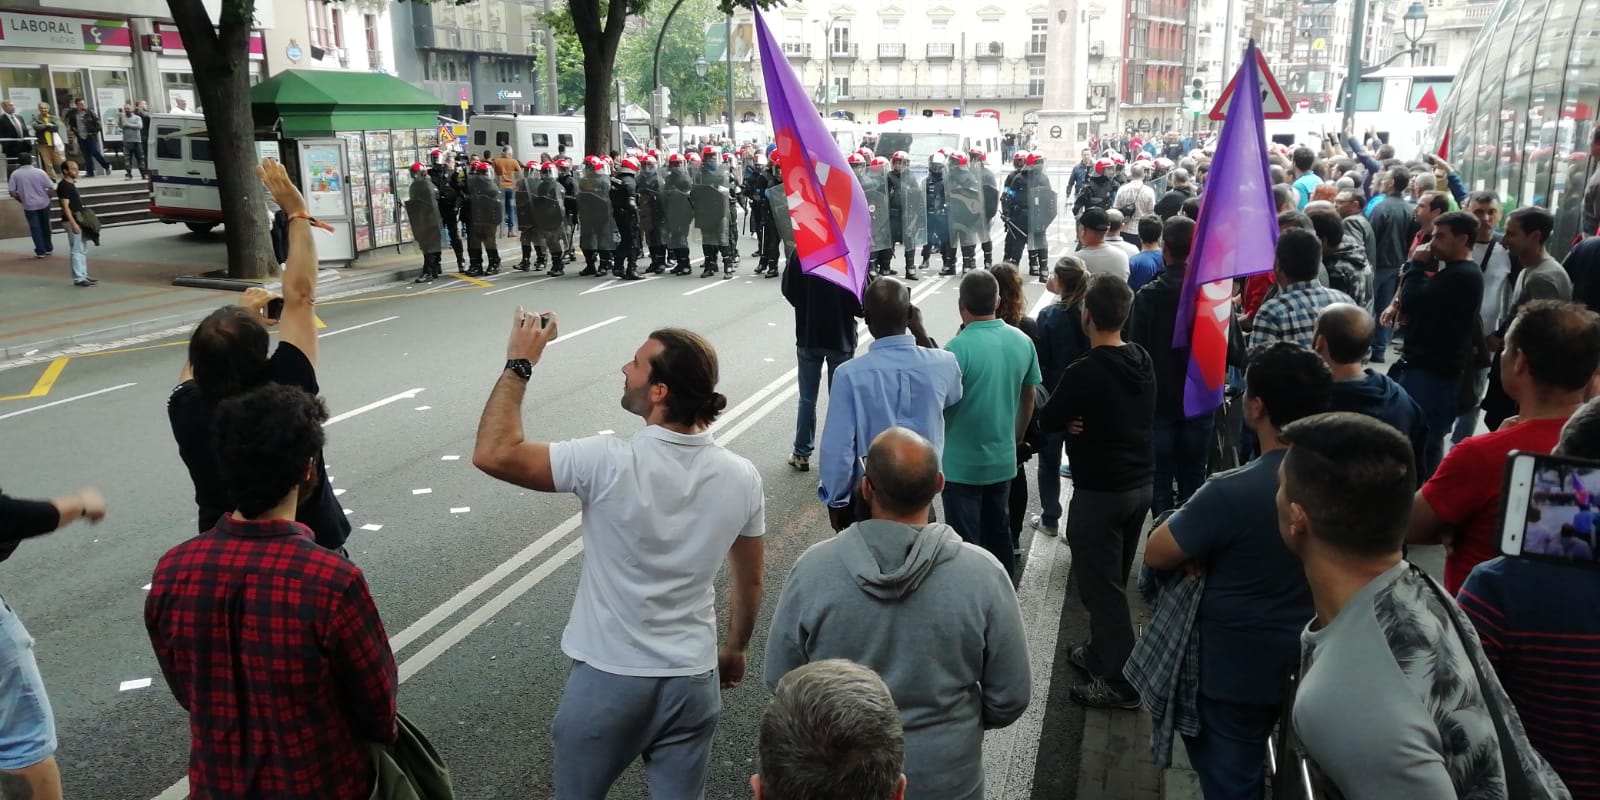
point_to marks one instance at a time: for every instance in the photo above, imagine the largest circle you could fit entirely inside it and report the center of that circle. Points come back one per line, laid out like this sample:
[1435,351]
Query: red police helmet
[901,155]
[531,166]
[629,164]
[1019,158]
[694,158]
[480,167]
[418,167]
[727,158]
[958,159]
[977,154]
[649,159]
[1104,166]
[878,163]
[1035,159]
[708,150]
[772,158]
[547,167]
[855,158]
[675,158]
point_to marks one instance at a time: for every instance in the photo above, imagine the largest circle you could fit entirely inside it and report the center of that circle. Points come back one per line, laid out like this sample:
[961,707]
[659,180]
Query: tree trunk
[599,62]
[219,56]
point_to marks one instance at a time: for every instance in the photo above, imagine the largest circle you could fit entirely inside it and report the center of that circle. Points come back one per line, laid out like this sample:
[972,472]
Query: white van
[183,181]
[921,137]
[530,136]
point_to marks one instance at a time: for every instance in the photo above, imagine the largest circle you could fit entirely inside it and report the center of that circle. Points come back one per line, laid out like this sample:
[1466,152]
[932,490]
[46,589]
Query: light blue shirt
[896,383]
[32,187]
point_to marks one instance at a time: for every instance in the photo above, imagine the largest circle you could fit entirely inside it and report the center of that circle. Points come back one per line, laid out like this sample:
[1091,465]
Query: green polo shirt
[996,360]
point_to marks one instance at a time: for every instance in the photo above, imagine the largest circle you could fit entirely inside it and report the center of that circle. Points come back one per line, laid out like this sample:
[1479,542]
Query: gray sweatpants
[1103,531]
[606,721]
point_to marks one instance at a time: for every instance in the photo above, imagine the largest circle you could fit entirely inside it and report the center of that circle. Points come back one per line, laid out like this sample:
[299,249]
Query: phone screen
[1552,508]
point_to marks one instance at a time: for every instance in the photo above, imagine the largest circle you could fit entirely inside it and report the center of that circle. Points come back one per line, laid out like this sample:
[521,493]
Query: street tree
[219,53]
[682,45]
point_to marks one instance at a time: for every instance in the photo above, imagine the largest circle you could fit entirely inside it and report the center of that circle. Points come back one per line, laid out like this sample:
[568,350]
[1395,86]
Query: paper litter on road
[421,491]
[371,527]
[138,683]
[460,509]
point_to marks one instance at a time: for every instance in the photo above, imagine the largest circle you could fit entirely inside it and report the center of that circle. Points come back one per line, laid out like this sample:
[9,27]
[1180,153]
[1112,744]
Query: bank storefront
[52,58]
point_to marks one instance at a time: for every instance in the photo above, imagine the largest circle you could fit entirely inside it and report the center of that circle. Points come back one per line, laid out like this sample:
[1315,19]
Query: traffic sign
[1303,105]
[463,94]
[446,134]
[1273,104]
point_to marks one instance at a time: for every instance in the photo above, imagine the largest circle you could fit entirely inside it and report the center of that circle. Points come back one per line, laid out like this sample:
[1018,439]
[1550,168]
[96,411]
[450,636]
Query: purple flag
[832,225]
[1236,236]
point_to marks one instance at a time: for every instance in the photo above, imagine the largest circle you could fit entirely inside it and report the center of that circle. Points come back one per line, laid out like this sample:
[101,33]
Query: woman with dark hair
[1060,342]
[1013,309]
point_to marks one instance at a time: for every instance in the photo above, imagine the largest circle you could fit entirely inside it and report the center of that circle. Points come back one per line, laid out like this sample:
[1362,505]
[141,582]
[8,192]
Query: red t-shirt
[1465,491]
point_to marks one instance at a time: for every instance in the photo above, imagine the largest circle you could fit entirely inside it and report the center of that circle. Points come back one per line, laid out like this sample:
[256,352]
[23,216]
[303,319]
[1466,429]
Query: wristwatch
[521,367]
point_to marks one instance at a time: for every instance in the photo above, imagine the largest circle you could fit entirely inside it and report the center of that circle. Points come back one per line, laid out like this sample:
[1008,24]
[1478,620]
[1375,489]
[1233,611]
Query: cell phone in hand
[275,308]
[1551,509]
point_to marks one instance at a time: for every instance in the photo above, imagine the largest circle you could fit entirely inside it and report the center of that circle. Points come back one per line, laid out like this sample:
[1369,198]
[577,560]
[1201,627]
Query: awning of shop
[318,103]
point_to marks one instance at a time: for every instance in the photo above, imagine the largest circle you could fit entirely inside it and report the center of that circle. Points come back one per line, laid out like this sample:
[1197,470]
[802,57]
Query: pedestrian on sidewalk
[47,129]
[508,171]
[1106,404]
[27,726]
[31,187]
[661,511]
[86,129]
[132,141]
[71,207]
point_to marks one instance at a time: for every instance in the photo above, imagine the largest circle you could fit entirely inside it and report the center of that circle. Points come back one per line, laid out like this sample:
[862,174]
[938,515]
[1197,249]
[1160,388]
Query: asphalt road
[474,578]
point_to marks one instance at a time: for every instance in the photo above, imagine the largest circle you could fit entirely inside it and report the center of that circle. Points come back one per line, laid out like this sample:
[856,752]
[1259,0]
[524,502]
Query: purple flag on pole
[1237,235]
[832,225]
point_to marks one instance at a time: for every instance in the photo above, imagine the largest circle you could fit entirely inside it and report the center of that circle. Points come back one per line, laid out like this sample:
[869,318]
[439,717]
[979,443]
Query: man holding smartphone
[1552,350]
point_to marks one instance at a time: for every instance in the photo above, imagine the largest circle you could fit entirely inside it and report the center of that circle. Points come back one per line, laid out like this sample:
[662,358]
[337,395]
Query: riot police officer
[450,185]
[485,211]
[625,211]
[651,220]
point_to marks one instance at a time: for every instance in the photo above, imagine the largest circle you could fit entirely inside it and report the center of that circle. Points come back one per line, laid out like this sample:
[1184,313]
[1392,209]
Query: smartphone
[275,308]
[1551,509]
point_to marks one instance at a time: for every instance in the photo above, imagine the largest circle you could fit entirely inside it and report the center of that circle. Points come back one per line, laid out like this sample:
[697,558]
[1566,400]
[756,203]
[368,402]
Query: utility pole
[827,67]
[1353,68]
[731,138]
[550,64]
[962,60]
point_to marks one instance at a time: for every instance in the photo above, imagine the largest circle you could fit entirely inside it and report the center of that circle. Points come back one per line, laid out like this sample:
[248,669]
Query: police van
[923,136]
[529,136]
[183,179]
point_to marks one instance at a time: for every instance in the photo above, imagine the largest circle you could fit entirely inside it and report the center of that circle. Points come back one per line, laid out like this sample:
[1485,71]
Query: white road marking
[706,287]
[421,491]
[769,360]
[617,283]
[371,527]
[145,587]
[567,337]
[65,400]
[338,492]
[449,458]
[460,509]
[606,432]
[137,683]
[422,408]
[772,324]
[348,512]
[518,285]
[408,394]
[356,327]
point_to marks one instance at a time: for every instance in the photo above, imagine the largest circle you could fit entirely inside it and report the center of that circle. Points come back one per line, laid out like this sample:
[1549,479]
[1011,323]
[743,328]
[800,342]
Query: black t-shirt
[191,411]
[1441,313]
[68,191]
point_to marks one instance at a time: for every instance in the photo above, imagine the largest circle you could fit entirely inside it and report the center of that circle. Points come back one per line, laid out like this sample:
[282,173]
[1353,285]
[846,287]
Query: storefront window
[112,89]
[181,98]
[69,85]
[25,86]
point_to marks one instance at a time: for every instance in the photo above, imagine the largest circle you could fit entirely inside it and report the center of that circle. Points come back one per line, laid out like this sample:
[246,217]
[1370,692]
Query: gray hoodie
[935,617]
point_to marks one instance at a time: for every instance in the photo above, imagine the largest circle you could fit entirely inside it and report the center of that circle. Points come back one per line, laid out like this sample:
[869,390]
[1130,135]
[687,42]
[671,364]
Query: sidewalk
[41,310]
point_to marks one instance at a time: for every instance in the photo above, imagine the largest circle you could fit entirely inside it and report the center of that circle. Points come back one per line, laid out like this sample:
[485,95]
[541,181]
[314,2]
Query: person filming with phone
[1539,619]
[228,356]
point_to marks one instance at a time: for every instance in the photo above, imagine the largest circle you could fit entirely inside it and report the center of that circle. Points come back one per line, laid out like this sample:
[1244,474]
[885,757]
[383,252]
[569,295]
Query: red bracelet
[315,223]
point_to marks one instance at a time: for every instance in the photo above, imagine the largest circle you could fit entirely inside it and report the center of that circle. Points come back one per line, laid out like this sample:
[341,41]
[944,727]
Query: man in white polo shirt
[660,513]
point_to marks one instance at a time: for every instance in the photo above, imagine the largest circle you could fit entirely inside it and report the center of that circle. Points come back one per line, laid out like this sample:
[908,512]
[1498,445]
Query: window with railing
[839,40]
[841,86]
[317,24]
[1036,80]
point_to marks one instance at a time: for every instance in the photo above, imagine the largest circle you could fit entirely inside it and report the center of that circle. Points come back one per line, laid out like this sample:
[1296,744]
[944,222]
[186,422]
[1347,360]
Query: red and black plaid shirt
[275,648]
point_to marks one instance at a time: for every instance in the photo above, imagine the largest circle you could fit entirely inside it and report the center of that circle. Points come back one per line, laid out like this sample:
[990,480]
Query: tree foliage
[683,43]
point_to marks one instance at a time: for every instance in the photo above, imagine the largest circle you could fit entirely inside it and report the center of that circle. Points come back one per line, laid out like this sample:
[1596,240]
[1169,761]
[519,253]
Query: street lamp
[700,66]
[1415,24]
[827,64]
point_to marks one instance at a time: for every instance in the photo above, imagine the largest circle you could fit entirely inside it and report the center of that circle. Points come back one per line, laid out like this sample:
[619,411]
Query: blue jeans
[80,256]
[1050,446]
[1229,754]
[1467,421]
[508,197]
[1385,282]
[982,516]
[811,360]
[1183,448]
[39,228]
[27,727]
[1438,395]
[93,152]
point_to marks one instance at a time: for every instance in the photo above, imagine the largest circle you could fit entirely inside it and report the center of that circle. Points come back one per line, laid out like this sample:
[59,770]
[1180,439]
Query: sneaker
[1099,694]
[800,463]
[1037,522]
[1066,470]
[1078,656]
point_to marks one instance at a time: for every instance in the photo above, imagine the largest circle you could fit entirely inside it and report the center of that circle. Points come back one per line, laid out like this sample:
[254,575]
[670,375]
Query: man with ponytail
[660,513]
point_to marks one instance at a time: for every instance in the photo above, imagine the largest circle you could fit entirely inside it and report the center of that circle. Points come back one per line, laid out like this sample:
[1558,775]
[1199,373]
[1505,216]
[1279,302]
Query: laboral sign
[63,33]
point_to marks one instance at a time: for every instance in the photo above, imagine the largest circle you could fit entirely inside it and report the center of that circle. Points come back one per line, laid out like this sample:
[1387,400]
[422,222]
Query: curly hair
[264,439]
[1013,303]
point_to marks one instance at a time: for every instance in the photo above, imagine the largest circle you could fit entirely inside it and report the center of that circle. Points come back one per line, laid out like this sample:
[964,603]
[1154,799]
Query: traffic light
[1198,92]
[663,102]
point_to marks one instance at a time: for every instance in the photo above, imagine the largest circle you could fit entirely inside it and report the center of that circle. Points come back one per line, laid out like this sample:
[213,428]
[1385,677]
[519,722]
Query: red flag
[1429,102]
[1444,146]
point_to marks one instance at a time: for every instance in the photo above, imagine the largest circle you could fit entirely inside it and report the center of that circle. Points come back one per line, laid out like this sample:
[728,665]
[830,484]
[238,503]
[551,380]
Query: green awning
[320,103]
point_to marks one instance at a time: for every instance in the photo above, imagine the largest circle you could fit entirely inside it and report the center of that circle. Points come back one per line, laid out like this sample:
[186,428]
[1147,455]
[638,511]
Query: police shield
[710,197]
[907,218]
[677,210]
[780,214]
[1042,207]
[650,218]
[486,210]
[964,197]
[527,190]
[422,210]
[549,208]
[597,230]
[875,186]
[991,198]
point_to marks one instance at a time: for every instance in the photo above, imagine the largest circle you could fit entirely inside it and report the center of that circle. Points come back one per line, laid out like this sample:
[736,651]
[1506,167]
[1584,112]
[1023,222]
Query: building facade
[1453,25]
[343,35]
[871,59]
[486,54]
[1158,58]
[1314,53]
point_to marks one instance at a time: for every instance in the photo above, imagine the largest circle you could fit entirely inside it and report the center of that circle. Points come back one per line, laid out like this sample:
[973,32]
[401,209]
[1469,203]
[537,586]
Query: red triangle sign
[1429,102]
[1273,104]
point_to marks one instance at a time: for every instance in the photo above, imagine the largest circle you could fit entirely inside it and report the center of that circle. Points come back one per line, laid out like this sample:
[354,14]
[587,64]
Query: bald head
[887,306]
[902,475]
[1343,334]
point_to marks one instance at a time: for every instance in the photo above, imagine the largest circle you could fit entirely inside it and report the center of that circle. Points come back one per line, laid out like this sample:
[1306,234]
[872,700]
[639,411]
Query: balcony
[989,51]
[1158,55]
[1038,48]
[443,38]
[892,51]
[797,51]
[1097,51]
[942,51]
[375,59]
[893,92]
[839,51]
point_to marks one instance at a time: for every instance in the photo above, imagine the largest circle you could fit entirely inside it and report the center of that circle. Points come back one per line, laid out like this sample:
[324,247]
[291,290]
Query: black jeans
[1103,531]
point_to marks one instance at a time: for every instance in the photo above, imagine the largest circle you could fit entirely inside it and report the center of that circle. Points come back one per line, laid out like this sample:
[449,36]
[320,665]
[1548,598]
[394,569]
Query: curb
[328,280]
